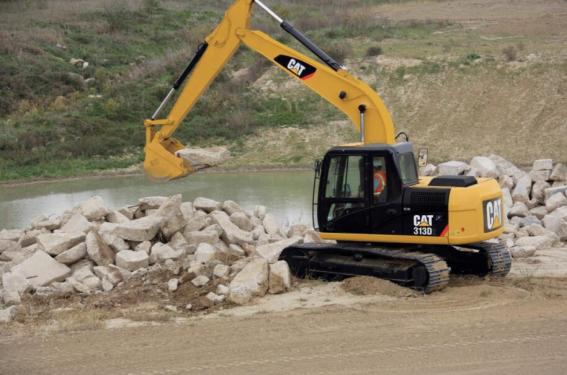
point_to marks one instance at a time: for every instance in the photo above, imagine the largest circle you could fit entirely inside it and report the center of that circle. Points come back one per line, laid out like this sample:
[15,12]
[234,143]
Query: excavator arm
[331,81]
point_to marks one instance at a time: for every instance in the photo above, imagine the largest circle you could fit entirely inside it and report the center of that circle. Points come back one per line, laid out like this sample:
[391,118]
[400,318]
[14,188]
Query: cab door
[386,197]
[343,194]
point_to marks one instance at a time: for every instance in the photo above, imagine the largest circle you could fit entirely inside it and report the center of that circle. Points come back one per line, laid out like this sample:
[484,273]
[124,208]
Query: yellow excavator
[387,222]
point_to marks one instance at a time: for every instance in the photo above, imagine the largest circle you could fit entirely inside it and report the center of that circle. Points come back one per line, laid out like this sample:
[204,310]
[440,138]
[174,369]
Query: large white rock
[76,224]
[231,233]
[117,217]
[521,192]
[94,209]
[197,222]
[250,282]
[98,250]
[555,201]
[507,199]
[132,260]
[428,170]
[73,255]
[538,190]
[542,165]
[539,242]
[178,242]
[17,255]
[280,277]
[559,173]
[161,252]
[8,314]
[231,207]
[204,236]
[206,204]
[271,224]
[206,252]
[172,284]
[555,190]
[200,280]
[507,168]
[40,269]
[15,282]
[453,168]
[519,209]
[173,219]
[29,237]
[297,230]
[204,157]
[485,166]
[139,230]
[48,223]
[151,202]
[187,210]
[110,273]
[552,223]
[260,212]
[271,252]
[6,245]
[11,234]
[312,236]
[221,270]
[539,212]
[541,175]
[242,221]
[56,243]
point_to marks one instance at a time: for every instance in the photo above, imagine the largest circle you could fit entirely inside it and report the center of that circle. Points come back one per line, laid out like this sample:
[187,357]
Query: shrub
[373,51]
[510,53]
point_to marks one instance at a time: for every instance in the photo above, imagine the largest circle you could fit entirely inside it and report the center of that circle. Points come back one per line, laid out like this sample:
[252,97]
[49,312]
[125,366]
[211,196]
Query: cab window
[346,177]
[408,169]
[379,180]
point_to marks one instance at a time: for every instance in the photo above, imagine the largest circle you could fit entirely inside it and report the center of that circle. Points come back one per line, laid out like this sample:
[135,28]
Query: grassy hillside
[461,86]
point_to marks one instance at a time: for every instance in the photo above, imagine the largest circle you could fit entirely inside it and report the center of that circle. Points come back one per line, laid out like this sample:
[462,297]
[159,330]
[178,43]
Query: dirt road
[472,327]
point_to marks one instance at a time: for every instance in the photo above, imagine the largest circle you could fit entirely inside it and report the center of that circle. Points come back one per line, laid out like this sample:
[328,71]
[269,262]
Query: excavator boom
[354,98]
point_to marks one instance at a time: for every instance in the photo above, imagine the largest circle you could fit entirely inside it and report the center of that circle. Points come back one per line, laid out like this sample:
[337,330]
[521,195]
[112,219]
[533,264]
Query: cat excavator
[382,218]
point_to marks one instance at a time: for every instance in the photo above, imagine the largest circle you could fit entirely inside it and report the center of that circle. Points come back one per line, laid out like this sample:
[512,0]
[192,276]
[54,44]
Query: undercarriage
[424,268]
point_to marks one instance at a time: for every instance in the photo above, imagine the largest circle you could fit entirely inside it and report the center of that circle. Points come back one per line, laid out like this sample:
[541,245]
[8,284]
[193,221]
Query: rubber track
[499,257]
[437,268]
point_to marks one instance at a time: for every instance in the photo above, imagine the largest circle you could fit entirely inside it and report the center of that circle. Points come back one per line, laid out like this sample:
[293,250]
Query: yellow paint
[160,160]
[466,219]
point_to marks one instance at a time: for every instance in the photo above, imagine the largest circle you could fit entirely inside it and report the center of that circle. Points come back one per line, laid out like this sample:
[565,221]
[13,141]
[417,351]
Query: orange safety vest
[379,181]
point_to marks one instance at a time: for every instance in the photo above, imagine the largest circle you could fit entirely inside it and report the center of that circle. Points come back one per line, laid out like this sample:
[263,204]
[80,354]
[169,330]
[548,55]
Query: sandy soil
[475,326]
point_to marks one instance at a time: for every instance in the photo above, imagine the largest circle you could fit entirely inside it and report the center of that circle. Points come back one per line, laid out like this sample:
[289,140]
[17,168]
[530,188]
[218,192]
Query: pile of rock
[92,249]
[535,201]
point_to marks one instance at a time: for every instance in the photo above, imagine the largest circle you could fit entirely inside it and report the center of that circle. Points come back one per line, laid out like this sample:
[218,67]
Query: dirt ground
[474,326]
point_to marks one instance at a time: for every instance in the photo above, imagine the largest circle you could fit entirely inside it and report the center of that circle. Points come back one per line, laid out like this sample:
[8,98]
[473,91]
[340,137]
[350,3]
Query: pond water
[287,194]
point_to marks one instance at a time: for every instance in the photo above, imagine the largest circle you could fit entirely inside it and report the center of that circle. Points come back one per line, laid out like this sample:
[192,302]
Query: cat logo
[492,214]
[295,67]
[299,68]
[423,225]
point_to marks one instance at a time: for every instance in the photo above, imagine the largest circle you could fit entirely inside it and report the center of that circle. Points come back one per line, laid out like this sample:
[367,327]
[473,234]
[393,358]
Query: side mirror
[422,157]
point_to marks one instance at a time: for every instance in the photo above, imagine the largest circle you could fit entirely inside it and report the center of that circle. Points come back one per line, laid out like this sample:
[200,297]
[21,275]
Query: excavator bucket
[162,163]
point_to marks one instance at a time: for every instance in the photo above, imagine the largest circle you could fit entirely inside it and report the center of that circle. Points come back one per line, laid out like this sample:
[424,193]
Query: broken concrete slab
[132,260]
[77,223]
[139,230]
[93,208]
[250,282]
[271,252]
[231,233]
[280,277]
[98,250]
[56,243]
[204,157]
[40,269]
[72,255]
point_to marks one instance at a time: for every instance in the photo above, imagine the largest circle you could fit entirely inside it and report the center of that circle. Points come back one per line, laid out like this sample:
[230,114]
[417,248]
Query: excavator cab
[360,188]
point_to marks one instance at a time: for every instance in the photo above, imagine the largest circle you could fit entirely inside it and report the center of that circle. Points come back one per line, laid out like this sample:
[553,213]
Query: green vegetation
[63,119]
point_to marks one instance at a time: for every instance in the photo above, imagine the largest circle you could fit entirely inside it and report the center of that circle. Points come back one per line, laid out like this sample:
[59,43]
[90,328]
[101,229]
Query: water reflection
[286,194]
